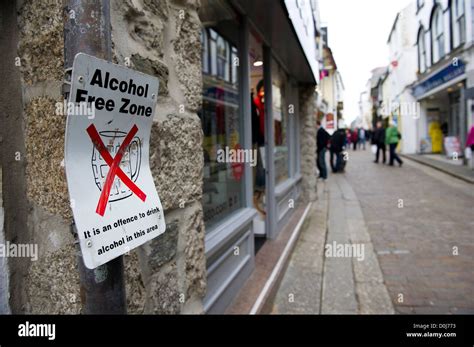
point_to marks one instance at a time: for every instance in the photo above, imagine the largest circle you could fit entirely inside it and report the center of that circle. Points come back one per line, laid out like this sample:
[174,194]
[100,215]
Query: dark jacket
[338,140]
[322,139]
[379,137]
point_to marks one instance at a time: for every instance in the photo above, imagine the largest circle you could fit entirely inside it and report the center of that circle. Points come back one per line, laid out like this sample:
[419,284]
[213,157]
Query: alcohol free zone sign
[113,197]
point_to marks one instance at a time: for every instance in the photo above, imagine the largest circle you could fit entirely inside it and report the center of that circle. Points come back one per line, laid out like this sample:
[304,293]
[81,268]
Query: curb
[273,281]
[454,174]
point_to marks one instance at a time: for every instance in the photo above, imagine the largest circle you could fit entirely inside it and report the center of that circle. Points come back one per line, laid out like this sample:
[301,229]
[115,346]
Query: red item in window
[261,114]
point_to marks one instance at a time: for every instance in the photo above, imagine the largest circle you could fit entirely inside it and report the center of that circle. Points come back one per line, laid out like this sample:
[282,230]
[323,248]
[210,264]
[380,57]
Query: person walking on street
[338,140]
[354,138]
[348,138]
[392,137]
[378,139]
[322,141]
[362,138]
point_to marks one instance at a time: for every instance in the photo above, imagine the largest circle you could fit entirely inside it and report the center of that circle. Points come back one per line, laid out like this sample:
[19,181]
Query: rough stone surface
[181,245]
[46,179]
[41,40]
[154,68]
[50,232]
[195,263]
[160,38]
[53,283]
[176,160]
[163,296]
[308,143]
[163,248]
[134,285]
[187,55]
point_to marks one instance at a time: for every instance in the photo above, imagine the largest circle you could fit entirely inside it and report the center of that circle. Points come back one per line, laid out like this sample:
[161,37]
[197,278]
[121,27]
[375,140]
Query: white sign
[113,197]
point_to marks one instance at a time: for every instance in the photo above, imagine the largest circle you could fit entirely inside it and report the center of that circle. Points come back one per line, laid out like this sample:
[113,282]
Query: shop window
[421,51]
[221,122]
[437,35]
[459,22]
[280,116]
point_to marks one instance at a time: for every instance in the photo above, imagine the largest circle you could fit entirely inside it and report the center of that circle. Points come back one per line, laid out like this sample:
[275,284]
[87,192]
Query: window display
[221,123]
[280,116]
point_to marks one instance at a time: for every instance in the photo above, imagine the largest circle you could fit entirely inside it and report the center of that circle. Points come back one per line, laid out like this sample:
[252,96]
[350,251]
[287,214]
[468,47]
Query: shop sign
[447,74]
[330,121]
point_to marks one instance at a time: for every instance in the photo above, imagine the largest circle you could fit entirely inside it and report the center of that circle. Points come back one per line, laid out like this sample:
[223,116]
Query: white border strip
[258,303]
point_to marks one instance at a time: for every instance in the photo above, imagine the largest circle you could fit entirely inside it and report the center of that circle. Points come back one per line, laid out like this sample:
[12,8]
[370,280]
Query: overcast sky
[358,31]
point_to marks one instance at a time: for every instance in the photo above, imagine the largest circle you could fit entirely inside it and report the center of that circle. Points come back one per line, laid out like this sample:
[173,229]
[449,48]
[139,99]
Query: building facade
[399,104]
[331,88]
[233,75]
[444,41]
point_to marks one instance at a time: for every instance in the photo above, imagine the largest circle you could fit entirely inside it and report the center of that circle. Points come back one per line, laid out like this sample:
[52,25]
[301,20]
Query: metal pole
[87,30]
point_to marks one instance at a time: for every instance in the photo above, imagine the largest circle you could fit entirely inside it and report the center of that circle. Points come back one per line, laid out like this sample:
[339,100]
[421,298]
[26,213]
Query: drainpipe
[87,30]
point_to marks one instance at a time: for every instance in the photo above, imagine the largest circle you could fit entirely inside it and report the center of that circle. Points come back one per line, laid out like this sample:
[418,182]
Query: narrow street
[415,225]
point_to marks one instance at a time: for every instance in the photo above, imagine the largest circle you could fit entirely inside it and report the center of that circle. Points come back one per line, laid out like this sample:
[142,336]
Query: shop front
[253,69]
[442,126]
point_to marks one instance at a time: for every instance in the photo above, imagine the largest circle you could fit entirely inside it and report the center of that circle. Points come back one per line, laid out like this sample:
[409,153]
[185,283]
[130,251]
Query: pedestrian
[338,140]
[470,145]
[378,139]
[392,137]
[362,138]
[322,141]
[354,138]
[368,135]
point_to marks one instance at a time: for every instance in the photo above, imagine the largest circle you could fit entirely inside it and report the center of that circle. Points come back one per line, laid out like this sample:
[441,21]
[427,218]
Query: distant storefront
[443,120]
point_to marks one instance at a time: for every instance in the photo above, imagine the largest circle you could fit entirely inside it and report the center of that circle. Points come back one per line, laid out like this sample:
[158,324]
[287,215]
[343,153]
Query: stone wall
[308,142]
[161,38]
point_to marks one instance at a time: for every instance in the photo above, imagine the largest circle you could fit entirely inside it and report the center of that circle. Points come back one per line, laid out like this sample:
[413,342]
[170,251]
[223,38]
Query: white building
[332,92]
[398,101]
[445,76]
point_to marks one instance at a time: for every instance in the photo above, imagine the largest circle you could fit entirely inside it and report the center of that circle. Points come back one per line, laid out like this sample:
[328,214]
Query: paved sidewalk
[459,171]
[315,283]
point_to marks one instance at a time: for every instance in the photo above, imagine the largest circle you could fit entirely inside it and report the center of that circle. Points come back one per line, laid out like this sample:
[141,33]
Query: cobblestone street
[416,225]
[415,244]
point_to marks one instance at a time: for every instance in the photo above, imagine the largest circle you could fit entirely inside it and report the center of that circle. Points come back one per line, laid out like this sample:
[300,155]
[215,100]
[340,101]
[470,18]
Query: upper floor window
[459,22]
[437,35]
[421,51]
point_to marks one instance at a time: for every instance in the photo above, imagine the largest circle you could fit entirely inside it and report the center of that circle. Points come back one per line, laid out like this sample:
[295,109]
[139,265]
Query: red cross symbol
[114,164]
